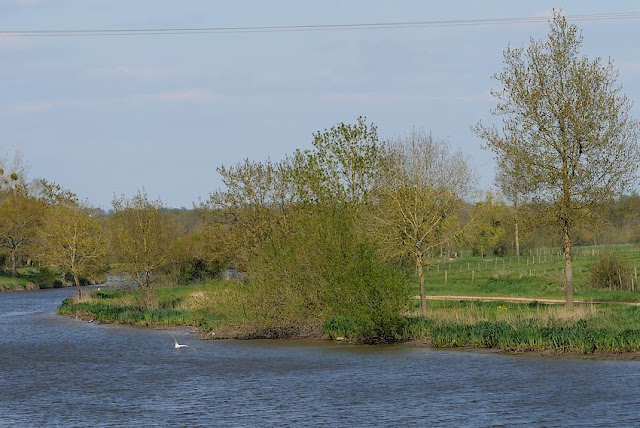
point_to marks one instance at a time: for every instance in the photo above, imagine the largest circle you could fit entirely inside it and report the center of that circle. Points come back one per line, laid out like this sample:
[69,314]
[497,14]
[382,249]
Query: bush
[610,272]
[324,270]
[47,278]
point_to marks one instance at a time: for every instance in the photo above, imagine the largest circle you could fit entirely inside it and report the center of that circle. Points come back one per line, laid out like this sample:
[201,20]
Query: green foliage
[322,270]
[486,235]
[566,131]
[8,283]
[143,237]
[342,167]
[611,273]
[47,278]
[528,336]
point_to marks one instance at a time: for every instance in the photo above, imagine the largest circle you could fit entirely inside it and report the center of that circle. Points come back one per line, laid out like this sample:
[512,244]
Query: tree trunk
[515,211]
[568,270]
[14,264]
[517,241]
[423,296]
[76,280]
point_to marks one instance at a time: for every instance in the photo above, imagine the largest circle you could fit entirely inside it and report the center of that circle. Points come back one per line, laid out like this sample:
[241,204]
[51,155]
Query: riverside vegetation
[350,237]
[610,326]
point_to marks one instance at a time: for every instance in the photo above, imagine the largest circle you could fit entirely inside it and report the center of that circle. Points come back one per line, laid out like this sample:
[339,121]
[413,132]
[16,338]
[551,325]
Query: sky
[107,116]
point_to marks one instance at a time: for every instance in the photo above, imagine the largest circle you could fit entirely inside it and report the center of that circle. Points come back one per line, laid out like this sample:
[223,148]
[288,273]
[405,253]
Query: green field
[536,274]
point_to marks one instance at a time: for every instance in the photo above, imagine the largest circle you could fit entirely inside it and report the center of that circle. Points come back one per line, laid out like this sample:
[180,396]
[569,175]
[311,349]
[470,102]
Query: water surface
[56,371]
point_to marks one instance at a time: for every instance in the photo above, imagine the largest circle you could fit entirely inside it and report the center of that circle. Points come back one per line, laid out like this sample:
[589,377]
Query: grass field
[536,274]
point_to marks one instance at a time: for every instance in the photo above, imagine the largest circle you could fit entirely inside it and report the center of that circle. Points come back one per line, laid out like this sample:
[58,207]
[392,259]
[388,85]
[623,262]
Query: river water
[56,371]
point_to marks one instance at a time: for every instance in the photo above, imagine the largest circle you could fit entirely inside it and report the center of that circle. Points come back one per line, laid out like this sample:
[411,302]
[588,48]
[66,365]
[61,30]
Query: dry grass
[469,313]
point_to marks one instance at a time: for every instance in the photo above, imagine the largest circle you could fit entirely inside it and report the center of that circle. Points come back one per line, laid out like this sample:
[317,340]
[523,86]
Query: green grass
[30,278]
[605,328]
[8,283]
[536,275]
[178,306]
[519,327]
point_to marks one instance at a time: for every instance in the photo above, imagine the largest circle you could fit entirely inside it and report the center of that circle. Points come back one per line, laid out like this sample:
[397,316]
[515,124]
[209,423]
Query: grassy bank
[521,327]
[587,329]
[531,327]
[177,306]
[8,283]
[32,278]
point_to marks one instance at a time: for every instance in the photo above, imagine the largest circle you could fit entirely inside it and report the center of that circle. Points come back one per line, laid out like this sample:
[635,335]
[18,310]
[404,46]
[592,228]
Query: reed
[531,327]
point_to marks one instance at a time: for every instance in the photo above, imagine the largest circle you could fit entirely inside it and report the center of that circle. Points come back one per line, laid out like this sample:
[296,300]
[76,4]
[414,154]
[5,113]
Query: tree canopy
[566,127]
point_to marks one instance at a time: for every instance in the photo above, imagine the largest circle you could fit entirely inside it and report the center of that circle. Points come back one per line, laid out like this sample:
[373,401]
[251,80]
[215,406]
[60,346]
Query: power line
[306,28]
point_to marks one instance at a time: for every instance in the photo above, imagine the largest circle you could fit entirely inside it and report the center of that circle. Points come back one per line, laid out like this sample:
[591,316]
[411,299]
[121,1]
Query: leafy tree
[486,233]
[142,237]
[74,240]
[342,166]
[292,224]
[252,207]
[53,194]
[417,198]
[20,218]
[567,126]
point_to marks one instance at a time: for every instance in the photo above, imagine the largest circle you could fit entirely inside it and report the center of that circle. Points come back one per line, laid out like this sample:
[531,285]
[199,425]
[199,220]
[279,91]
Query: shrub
[324,269]
[610,272]
[47,278]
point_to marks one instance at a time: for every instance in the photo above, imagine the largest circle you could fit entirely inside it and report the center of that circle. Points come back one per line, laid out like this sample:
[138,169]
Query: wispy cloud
[41,105]
[189,95]
[21,3]
[144,73]
[185,96]
[381,99]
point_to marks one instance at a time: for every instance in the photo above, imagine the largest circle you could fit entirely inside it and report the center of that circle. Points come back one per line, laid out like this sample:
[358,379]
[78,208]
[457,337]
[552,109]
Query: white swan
[177,345]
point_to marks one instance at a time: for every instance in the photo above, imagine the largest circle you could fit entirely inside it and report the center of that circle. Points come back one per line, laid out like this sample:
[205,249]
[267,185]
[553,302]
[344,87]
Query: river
[57,371]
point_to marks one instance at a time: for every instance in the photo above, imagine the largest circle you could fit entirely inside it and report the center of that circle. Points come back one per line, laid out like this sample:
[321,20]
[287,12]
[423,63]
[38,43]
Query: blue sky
[106,116]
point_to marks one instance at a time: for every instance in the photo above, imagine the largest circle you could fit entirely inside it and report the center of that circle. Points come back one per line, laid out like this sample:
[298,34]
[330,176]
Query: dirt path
[524,300]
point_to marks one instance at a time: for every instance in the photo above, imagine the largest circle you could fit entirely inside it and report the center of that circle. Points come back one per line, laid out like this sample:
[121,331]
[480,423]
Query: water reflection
[65,372]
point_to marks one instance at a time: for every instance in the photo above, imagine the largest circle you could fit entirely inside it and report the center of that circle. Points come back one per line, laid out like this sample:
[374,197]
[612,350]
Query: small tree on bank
[142,238]
[73,240]
[20,219]
[417,198]
[566,126]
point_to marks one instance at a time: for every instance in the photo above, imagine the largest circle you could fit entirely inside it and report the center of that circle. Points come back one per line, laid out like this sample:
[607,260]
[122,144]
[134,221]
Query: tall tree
[418,195]
[20,218]
[74,240]
[143,236]
[567,125]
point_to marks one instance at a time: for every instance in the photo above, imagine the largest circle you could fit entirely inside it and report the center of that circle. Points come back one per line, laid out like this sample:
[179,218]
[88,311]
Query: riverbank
[34,278]
[16,284]
[535,327]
